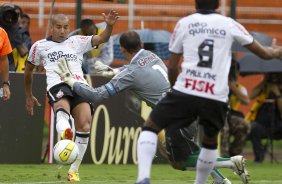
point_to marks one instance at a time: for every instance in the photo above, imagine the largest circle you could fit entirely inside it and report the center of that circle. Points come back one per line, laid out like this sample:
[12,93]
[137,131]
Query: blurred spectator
[236,129]
[103,53]
[9,16]
[266,113]
[25,22]
[18,10]
[119,1]
[5,49]
[19,61]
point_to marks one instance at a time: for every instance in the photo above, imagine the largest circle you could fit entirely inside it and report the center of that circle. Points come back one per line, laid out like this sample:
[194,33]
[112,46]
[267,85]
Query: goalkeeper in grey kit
[146,76]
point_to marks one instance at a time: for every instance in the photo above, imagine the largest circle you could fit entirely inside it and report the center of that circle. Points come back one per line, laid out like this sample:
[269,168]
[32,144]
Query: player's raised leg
[58,99]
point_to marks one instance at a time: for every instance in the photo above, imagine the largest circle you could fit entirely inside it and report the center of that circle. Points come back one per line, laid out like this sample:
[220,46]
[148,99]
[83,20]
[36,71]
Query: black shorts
[181,143]
[178,110]
[62,90]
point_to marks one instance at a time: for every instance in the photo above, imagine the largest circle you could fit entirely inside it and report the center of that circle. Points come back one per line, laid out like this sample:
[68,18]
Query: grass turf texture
[161,174]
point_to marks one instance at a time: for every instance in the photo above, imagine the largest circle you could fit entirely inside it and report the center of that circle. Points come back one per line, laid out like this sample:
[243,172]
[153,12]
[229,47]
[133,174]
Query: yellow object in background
[19,61]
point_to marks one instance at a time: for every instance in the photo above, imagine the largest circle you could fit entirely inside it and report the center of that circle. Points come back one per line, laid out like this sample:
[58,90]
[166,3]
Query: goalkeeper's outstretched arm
[94,94]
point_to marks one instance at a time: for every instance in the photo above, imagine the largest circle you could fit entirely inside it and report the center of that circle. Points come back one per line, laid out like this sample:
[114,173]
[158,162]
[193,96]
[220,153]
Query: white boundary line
[120,180]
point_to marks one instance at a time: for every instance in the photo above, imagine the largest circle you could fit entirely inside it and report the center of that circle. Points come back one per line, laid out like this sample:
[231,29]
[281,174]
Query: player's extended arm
[110,20]
[266,52]
[94,94]
[173,68]
[30,99]
[91,94]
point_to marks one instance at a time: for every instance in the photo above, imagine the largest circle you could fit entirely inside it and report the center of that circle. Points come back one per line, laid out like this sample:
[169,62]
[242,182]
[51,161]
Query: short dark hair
[19,10]
[131,41]
[207,4]
[85,23]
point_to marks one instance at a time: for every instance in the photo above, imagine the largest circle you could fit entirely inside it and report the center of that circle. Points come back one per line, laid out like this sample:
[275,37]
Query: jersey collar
[49,38]
[206,12]
[136,55]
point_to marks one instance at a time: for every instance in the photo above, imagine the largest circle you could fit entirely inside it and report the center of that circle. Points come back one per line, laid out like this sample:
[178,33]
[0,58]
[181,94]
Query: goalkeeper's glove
[103,70]
[64,72]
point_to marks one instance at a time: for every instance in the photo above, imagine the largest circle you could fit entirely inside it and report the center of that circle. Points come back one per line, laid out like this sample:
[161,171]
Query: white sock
[205,165]
[146,150]
[82,143]
[224,164]
[62,121]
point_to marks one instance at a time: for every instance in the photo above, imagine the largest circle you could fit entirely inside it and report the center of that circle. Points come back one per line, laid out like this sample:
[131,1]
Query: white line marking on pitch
[120,181]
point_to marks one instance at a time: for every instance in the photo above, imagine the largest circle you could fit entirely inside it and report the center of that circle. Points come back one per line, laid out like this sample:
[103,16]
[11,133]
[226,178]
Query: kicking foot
[239,168]
[73,176]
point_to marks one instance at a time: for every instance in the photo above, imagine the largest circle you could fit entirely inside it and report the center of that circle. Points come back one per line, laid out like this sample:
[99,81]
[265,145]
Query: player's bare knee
[83,127]
[151,126]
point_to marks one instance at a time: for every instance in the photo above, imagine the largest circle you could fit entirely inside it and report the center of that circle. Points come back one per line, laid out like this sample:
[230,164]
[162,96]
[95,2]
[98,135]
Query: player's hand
[103,70]
[64,72]
[6,92]
[111,18]
[29,104]
[278,49]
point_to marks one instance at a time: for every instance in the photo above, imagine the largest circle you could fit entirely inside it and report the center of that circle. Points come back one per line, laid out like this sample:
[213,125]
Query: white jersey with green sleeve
[205,41]
[48,52]
[146,76]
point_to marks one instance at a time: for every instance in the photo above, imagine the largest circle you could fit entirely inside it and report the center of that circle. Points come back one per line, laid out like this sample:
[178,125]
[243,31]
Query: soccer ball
[65,151]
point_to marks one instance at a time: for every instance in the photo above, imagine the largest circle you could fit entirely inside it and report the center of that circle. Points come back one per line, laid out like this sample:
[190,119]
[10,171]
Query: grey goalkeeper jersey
[146,76]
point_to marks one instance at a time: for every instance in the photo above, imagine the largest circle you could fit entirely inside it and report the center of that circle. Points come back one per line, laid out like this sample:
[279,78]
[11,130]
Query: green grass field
[161,174]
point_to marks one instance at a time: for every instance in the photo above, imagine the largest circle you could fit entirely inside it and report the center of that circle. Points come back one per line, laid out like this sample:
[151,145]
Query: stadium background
[255,15]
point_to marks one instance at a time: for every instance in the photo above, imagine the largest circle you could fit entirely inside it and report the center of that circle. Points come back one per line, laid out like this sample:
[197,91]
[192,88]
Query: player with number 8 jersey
[200,90]
[209,38]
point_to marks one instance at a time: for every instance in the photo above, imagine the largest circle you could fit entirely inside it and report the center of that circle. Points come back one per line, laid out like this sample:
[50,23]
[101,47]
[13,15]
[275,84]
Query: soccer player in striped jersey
[63,99]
